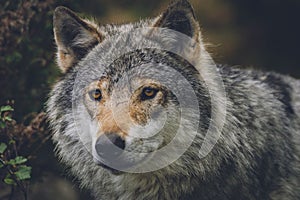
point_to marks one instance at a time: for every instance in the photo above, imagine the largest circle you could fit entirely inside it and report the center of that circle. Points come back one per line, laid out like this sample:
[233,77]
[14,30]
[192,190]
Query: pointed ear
[179,17]
[74,37]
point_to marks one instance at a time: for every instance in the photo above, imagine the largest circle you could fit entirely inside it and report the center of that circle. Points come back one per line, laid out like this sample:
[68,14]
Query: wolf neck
[149,186]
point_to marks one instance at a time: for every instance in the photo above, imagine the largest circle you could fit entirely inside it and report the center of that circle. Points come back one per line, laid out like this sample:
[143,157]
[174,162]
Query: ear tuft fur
[180,17]
[74,37]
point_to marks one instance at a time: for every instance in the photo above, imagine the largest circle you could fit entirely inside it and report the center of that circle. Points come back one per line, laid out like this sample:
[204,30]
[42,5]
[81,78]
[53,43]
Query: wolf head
[129,91]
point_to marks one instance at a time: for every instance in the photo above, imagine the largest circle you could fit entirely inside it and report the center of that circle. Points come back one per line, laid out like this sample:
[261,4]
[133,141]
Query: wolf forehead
[154,64]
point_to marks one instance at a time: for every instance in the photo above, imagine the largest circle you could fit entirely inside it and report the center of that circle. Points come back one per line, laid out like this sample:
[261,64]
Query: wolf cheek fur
[256,156]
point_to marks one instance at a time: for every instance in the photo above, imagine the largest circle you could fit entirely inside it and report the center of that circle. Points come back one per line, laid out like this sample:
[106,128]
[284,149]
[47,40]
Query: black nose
[109,146]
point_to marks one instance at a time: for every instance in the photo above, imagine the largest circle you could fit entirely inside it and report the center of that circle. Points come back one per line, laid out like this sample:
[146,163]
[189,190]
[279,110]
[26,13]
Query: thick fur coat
[256,156]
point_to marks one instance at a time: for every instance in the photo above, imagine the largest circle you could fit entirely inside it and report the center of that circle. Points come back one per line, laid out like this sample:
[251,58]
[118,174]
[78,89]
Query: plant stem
[19,183]
[12,192]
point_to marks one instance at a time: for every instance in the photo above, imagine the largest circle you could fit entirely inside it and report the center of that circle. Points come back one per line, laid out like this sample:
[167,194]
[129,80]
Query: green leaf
[6,108]
[11,162]
[9,181]
[11,142]
[23,172]
[20,160]
[7,118]
[1,165]
[2,124]
[3,147]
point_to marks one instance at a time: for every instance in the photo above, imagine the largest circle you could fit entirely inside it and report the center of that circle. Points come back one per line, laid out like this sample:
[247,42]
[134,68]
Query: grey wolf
[95,119]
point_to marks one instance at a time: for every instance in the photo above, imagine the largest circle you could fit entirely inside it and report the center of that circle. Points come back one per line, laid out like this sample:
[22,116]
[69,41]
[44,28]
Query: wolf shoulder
[268,87]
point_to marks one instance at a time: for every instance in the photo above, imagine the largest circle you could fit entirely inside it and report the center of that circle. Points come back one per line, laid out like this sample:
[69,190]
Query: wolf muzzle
[109,146]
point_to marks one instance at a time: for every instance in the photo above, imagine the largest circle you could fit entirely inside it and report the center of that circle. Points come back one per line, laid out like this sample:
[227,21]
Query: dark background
[261,34]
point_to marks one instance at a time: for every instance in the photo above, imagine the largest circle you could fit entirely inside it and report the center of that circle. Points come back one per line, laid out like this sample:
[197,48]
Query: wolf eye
[95,95]
[148,93]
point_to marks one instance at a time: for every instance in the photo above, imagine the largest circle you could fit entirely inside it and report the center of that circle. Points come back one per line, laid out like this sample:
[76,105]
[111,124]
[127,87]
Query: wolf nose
[109,146]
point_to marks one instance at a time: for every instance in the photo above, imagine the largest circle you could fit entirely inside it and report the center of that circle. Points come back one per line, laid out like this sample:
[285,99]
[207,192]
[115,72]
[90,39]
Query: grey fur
[256,157]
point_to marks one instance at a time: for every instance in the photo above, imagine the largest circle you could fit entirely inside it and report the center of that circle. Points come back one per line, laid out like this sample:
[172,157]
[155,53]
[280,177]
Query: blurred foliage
[26,54]
[255,33]
[13,168]
[22,146]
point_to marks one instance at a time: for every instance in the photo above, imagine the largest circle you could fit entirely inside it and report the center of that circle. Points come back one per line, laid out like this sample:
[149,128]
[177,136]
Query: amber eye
[95,95]
[148,93]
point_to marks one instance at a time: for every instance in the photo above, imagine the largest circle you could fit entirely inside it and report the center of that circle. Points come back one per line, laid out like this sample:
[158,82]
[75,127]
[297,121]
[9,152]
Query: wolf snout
[109,146]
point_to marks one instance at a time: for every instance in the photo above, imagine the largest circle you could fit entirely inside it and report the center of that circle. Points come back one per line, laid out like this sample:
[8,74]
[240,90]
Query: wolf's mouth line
[122,163]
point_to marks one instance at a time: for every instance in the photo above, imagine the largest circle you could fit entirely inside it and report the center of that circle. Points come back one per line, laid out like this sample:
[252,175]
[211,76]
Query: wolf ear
[74,37]
[180,17]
